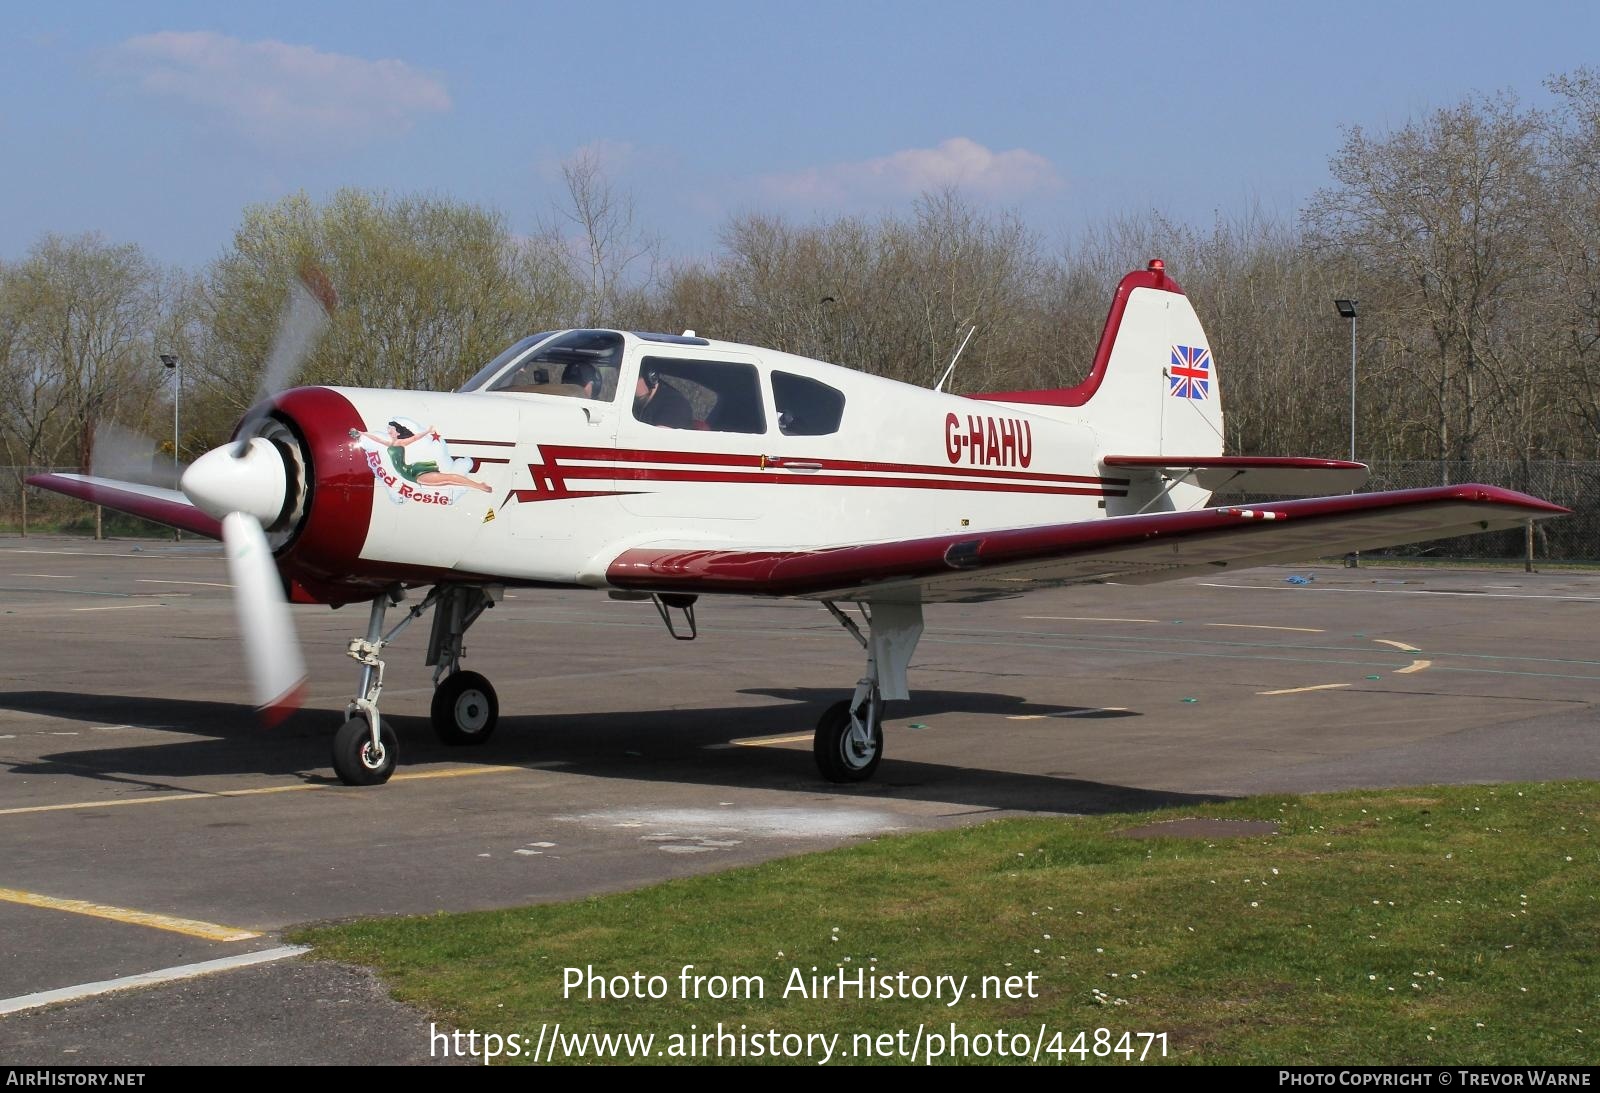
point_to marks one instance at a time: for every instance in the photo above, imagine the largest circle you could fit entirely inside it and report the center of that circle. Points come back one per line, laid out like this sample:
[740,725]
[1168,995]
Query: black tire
[356,761]
[837,758]
[465,709]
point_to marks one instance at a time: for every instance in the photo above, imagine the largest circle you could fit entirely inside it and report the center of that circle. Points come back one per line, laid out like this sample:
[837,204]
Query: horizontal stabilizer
[164,506]
[1287,476]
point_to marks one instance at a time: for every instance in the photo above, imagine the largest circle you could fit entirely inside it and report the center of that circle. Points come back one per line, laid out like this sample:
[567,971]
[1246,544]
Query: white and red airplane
[669,467]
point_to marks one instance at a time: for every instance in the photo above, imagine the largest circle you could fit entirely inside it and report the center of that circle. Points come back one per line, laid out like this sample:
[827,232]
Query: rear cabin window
[718,396]
[805,406]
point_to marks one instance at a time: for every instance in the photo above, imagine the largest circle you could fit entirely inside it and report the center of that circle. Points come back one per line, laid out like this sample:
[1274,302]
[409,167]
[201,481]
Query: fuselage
[527,478]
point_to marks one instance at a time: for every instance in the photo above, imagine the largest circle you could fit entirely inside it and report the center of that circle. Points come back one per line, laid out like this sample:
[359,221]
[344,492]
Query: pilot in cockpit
[584,376]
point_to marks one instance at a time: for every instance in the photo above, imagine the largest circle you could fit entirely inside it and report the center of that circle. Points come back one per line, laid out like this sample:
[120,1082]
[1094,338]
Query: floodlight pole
[1352,385]
[1347,309]
[171,361]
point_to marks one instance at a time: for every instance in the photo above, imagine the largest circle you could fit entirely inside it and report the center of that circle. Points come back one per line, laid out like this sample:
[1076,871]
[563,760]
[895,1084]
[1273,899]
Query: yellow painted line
[1414,666]
[1080,618]
[1070,713]
[120,607]
[416,776]
[1258,626]
[1400,645]
[455,772]
[763,741]
[1302,690]
[210,931]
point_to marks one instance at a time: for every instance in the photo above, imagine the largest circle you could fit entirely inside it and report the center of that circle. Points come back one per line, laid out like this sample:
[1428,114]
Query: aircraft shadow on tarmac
[641,745]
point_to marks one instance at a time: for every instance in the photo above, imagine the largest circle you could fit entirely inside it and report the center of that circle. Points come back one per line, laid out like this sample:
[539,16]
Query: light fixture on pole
[1347,310]
[170,360]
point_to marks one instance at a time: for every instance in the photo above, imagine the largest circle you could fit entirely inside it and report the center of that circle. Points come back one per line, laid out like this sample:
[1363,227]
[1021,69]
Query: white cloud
[275,92]
[955,162]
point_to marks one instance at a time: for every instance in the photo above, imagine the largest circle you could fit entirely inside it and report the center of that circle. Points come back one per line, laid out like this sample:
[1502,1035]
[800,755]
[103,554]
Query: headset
[582,374]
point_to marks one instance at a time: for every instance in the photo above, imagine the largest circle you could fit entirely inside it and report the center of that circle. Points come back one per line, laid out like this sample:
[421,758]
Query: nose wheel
[361,760]
[465,709]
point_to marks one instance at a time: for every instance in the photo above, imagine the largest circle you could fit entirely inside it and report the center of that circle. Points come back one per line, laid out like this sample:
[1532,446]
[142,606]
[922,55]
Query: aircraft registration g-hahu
[670,467]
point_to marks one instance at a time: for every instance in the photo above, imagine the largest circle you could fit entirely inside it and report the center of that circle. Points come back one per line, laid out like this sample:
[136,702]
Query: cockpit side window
[806,407]
[578,364]
[718,396]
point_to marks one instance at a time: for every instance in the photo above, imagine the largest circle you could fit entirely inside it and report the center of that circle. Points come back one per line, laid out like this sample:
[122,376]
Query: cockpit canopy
[676,389]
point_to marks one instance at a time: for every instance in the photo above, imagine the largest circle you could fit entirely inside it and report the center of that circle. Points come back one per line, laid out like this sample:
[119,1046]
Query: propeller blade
[305,316]
[266,630]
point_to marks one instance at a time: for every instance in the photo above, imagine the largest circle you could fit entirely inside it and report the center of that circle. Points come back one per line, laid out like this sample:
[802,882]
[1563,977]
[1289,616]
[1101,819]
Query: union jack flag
[1190,373]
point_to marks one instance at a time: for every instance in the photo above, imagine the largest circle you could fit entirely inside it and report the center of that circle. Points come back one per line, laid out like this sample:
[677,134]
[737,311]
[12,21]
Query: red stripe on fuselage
[656,474]
[721,459]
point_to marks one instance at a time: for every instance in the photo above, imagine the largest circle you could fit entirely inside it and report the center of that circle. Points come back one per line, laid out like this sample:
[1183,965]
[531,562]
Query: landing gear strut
[465,708]
[849,739]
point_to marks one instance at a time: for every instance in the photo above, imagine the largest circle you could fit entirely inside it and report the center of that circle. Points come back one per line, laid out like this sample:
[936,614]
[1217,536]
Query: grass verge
[1441,925]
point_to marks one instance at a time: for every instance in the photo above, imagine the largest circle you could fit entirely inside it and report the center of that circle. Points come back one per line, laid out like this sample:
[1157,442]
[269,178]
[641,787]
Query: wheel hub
[472,711]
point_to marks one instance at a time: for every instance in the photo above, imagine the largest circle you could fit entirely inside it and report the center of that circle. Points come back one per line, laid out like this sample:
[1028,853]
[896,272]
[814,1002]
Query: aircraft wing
[164,506]
[1126,549]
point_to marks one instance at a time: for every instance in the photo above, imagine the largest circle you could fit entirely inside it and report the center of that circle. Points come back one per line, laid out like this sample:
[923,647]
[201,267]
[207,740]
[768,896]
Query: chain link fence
[28,510]
[1574,538]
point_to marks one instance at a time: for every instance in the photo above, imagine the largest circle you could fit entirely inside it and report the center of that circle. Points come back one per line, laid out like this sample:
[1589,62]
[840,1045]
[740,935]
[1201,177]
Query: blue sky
[157,122]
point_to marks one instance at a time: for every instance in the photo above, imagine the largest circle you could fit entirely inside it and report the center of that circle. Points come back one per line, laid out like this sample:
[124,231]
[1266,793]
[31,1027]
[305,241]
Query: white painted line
[202,584]
[1303,690]
[1415,666]
[148,979]
[297,787]
[1398,592]
[120,607]
[108,554]
[1081,618]
[47,576]
[1259,626]
[1400,645]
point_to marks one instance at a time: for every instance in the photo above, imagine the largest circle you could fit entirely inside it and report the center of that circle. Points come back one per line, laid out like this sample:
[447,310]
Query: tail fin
[1153,389]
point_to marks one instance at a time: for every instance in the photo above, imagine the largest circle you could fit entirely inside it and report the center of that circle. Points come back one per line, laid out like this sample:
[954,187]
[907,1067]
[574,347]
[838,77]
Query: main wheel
[840,757]
[465,709]
[357,760]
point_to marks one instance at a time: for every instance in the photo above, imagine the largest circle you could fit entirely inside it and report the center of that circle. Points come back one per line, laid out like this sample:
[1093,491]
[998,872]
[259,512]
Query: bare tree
[609,251]
[1446,209]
